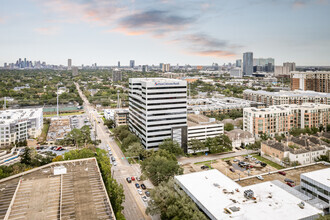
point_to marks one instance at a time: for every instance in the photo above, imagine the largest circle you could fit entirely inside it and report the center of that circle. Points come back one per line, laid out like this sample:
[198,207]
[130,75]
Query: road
[187,160]
[134,207]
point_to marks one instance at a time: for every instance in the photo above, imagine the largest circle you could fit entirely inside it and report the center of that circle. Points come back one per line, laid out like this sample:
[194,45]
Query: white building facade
[19,125]
[156,107]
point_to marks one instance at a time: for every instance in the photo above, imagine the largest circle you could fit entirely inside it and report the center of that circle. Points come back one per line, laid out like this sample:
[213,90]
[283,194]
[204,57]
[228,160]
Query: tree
[229,127]
[171,146]
[196,145]
[134,150]
[219,144]
[128,140]
[171,204]
[109,123]
[26,156]
[160,166]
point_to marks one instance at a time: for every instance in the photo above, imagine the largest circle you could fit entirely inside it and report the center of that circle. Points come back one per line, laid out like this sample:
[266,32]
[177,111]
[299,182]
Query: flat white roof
[11,115]
[213,192]
[321,176]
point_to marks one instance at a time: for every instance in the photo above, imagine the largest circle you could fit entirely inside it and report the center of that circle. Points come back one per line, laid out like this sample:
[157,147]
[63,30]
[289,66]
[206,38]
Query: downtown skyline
[150,32]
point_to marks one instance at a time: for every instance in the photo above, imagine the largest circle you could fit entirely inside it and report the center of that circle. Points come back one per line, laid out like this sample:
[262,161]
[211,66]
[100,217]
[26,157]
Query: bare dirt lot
[225,165]
[293,174]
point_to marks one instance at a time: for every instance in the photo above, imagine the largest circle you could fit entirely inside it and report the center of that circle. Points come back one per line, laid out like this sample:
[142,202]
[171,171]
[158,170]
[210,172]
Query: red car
[290,184]
[59,148]
[282,173]
[133,178]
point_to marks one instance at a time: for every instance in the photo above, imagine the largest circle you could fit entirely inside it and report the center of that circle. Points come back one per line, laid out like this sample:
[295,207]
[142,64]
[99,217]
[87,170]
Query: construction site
[61,190]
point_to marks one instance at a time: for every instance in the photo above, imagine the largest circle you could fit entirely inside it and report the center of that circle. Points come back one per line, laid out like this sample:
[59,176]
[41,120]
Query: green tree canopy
[229,127]
[171,146]
[219,144]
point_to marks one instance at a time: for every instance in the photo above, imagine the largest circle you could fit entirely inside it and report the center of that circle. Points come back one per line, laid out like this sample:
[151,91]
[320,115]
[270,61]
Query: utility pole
[57,102]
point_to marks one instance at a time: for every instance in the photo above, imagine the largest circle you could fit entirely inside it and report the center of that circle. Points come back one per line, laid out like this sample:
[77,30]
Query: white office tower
[158,110]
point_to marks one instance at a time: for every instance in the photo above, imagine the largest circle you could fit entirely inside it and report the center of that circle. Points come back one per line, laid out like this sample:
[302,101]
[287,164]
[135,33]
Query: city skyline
[149,32]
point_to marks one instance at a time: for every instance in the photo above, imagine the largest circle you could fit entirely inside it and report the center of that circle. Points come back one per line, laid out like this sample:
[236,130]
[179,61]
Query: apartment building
[20,124]
[286,97]
[121,117]
[279,119]
[201,127]
[303,149]
[158,110]
[316,81]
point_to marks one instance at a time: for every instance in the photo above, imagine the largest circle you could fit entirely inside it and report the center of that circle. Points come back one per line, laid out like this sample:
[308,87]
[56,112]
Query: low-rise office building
[280,119]
[317,185]
[286,97]
[201,127]
[118,116]
[20,124]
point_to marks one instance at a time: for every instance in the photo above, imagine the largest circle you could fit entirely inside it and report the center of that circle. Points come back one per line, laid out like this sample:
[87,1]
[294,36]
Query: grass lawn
[208,161]
[44,132]
[227,158]
[269,162]
[65,114]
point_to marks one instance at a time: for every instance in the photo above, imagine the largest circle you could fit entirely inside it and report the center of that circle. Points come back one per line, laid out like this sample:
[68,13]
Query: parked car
[138,178]
[290,184]
[282,173]
[288,180]
[257,162]
[147,193]
[139,191]
[59,148]
[128,179]
[235,160]
[143,186]
[133,178]
[260,177]
[144,198]
[137,185]
[263,164]
[204,167]
[237,148]
[113,159]
[232,170]
[115,163]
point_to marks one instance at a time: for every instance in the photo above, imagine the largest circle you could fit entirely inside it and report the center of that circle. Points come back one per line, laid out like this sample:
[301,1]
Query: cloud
[47,30]
[156,22]
[214,53]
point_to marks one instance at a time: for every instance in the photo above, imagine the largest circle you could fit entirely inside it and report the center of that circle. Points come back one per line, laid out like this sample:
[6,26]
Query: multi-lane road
[134,207]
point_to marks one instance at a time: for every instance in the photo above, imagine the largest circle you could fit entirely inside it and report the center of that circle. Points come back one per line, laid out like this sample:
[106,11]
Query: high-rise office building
[316,81]
[144,68]
[158,110]
[161,66]
[166,67]
[247,64]
[291,66]
[118,64]
[264,64]
[239,63]
[131,63]
[69,64]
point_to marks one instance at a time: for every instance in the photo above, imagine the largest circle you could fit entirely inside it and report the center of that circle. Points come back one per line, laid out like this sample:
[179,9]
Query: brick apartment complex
[286,97]
[280,119]
[315,81]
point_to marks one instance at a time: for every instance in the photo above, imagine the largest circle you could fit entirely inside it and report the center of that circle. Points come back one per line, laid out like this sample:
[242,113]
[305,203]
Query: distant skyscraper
[118,64]
[161,66]
[247,64]
[291,66]
[131,63]
[239,63]
[166,67]
[69,64]
[264,64]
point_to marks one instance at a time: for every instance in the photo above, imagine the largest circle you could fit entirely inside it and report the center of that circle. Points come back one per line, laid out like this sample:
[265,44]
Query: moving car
[144,198]
[147,193]
[128,179]
[260,177]
[137,185]
[143,186]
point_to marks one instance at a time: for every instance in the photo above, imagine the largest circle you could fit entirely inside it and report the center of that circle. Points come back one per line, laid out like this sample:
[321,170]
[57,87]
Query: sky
[195,32]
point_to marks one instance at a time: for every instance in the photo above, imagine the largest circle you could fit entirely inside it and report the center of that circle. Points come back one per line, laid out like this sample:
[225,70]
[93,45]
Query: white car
[144,198]
[260,177]
[139,191]
[115,163]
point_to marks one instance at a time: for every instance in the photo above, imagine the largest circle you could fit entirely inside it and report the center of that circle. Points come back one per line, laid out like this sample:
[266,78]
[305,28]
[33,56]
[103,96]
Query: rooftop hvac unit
[248,194]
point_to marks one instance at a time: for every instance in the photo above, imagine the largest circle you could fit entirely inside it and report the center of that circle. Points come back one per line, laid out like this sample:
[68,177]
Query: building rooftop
[198,120]
[41,193]
[238,134]
[287,107]
[216,194]
[156,80]
[12,115]
[296,93]
[321,176]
